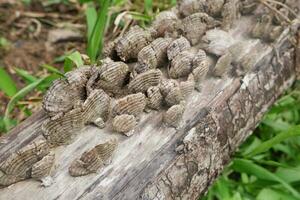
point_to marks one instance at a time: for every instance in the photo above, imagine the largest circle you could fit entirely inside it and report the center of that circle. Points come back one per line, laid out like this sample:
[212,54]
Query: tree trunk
[158,162]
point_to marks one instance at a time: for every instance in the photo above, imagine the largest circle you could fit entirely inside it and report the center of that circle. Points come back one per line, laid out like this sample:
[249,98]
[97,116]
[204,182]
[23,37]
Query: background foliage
[267,165]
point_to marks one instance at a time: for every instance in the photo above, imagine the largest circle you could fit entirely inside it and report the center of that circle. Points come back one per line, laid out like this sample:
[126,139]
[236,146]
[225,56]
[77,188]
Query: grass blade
[278,126]
[271,163]
[139,16]
[289,174]
[173,2]
[292,132]
[60,59]
[25,75]
[95,42]
[148,6]
[270,194]
[47,82]
[91,16]
[53,70]
[7,85]
[243,165]
[12,122]
[223,189]
[85,1]
[20,94]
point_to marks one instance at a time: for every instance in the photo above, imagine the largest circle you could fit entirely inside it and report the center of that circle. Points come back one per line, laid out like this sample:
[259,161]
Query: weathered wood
[147,165]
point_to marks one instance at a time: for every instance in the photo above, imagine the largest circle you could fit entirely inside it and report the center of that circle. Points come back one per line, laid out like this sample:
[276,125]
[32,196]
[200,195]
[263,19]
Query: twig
[38,27]
[283,5]
[275,10]
[43,15]
[127,24]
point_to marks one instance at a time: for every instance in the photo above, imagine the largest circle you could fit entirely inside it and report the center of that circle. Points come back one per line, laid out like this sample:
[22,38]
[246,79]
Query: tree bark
[163,163]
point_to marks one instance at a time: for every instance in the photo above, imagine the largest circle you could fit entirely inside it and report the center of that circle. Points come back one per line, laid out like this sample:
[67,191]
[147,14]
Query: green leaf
[247,148]
[95,43]
[85,1]
[286,149]
[289,174]
[2,128]
[139,16]
[7,84]
[148,5]
[291,132]
[13,122]
[118,2]
[91,16]
[26,111]
[271,194]
[25,75]
[60,59]
[277,125]
[53,70]
[271,163]
[4,43]
[71,60]
[246,166]
[173,2]
[54,2]
[223,189]
[48,81]
[68,65]
[20,94]
[280,108]
[244,178]
[237,196]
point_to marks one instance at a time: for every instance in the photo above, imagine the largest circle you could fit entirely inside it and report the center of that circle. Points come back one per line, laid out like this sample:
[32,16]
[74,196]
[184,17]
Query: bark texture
[224,125]
[164,163]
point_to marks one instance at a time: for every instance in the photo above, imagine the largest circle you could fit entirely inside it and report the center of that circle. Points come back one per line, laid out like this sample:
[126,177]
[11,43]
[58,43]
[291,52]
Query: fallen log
[159,162]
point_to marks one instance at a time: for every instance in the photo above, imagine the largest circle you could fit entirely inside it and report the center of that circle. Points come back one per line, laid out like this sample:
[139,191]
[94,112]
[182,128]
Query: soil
[27,29]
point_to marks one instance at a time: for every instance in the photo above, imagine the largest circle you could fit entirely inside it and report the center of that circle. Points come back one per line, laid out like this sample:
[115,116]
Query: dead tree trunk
[163,163]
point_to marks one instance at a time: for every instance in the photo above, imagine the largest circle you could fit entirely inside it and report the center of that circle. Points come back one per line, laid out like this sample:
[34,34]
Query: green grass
[53,70]
[7,85]
[267,165]
[96,29]
[72,60]
[13,101]
[99,17]
[148,7]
